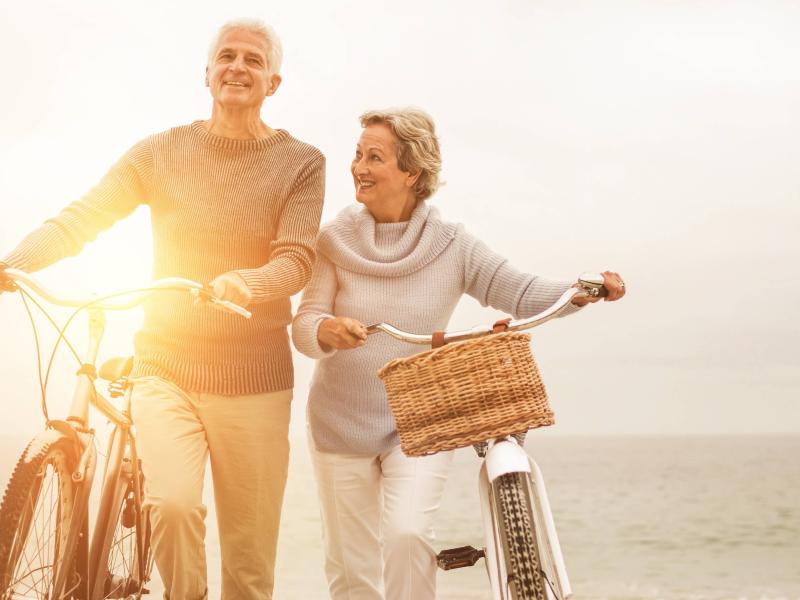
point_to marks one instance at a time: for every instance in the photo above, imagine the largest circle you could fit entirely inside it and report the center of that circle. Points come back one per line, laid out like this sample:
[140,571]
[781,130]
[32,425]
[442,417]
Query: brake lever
[592,284]
[205,295]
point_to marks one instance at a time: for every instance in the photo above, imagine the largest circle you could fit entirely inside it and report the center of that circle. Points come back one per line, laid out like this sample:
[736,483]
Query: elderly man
[235,203]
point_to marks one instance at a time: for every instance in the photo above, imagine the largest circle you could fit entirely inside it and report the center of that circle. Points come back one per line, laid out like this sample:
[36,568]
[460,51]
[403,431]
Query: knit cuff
[315,329]
[541,294]
[304,335]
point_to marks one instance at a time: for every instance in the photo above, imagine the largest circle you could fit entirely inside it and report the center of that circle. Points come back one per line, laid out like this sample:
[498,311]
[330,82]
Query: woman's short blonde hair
[417,144]
[257,26]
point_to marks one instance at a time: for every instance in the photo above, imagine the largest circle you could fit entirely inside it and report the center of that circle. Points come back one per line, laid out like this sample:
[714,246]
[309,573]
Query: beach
[672,518]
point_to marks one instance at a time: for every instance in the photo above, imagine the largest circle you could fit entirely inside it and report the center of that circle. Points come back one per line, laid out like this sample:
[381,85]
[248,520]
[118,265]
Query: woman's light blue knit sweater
[410,274]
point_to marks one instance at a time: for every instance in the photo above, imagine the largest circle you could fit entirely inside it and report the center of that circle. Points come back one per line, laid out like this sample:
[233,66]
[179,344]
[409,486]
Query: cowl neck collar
[354,241]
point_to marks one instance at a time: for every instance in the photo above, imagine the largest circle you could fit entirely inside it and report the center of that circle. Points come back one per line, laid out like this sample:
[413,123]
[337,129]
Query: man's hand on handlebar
[341,333]
[614,285]
[6,285]
[231,287]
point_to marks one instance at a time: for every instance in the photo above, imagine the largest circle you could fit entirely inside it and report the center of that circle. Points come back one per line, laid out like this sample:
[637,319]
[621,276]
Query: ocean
[668,518]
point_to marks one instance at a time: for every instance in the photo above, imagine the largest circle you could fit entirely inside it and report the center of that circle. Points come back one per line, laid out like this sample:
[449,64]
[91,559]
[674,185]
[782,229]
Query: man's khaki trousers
[246,438]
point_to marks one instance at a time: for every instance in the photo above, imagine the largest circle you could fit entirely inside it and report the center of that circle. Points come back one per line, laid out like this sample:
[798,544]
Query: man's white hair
[257,26]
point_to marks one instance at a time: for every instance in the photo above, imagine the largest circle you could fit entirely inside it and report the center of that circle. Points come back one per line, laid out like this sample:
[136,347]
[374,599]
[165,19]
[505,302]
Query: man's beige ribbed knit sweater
[216,205]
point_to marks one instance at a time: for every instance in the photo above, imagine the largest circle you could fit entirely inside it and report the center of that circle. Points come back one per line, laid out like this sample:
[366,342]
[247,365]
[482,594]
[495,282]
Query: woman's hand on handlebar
[614,285]
[341,333]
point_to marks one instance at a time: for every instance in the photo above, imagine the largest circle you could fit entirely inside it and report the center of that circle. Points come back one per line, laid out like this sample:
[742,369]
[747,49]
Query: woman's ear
[411,179]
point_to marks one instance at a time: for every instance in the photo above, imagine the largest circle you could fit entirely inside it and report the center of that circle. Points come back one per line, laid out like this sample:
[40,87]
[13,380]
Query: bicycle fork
[505,456]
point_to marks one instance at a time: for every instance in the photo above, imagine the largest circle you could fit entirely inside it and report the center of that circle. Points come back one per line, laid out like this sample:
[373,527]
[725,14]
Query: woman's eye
[375,157]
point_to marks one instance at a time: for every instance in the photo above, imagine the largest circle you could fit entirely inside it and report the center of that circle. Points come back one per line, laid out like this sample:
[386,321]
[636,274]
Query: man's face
[238,74]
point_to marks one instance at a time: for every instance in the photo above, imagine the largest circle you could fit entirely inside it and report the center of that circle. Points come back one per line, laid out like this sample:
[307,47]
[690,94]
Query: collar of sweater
[217,141]
[354,241]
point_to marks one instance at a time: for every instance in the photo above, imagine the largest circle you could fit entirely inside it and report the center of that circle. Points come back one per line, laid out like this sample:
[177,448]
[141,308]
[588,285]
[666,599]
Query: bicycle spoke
[126,571]
[30,570]
[37,548]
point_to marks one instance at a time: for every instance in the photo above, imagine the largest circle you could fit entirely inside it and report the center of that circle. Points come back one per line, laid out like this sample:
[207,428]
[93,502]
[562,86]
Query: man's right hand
[341,333]
[6,285]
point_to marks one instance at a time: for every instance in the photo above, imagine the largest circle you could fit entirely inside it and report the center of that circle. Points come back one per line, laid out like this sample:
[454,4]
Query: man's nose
[237,64]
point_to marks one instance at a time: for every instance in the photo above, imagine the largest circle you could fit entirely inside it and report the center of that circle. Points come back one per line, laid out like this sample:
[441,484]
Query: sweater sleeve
[117,195]
[316,306]
[292,251]
[491,280]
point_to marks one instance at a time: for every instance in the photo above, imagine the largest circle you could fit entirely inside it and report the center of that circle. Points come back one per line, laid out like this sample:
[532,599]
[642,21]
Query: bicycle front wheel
[523,564]
[36,517]
[123,544]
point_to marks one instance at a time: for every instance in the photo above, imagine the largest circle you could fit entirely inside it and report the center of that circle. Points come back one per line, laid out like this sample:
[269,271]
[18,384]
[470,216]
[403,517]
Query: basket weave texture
[465,393]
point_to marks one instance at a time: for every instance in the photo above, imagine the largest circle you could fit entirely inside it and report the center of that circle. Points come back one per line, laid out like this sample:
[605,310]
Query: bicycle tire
[36,518]
[125,556]
[521,553]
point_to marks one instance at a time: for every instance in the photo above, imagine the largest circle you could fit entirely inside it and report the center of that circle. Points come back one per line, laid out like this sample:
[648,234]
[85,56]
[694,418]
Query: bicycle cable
[23,295]
[61,335]
[63,329]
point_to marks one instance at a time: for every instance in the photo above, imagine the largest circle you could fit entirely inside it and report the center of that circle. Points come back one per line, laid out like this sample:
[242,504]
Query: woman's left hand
[613,282]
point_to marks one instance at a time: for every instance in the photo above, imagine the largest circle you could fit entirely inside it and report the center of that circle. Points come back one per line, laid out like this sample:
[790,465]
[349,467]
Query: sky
[656,139]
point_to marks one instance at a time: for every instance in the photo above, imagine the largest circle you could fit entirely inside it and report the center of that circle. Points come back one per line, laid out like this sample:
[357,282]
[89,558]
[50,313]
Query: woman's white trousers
[377,523]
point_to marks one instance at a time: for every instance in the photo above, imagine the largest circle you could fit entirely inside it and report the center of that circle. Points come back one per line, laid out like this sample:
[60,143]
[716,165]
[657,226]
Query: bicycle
[522,554]
[45,552]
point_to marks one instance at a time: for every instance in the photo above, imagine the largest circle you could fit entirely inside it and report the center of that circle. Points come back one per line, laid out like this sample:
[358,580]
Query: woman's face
[379,182]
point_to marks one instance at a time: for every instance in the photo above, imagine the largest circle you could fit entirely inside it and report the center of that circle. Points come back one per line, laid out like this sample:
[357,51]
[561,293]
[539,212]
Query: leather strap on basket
[437,339]
[501,325]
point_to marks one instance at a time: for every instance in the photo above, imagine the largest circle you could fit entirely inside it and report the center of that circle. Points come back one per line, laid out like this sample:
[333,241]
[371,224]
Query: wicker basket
[466,392]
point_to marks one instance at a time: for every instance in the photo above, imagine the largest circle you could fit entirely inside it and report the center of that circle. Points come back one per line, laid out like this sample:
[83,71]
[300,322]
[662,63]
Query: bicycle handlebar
[137,296]
[589,285]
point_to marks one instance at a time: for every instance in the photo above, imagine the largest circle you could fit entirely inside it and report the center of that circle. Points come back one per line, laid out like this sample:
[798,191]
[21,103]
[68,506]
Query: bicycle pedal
[455,558]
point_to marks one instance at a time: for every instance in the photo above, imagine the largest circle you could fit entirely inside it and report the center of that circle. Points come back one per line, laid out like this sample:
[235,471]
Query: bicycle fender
[59,430]
[506,457]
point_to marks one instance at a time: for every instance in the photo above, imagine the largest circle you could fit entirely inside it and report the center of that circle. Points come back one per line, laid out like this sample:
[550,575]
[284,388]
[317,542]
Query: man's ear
[274,83]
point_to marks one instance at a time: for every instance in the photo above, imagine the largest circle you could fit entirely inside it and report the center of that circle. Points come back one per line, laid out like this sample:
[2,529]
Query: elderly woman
[235,203]
[392,260]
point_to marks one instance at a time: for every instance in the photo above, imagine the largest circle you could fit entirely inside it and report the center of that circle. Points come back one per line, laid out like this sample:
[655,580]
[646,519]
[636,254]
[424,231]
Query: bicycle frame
[505,456]
[89,557]
[121,474]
